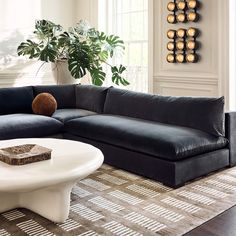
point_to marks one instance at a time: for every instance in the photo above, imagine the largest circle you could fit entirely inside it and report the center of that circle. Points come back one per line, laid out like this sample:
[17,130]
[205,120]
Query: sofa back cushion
[90,97]
[64,94]
[16,100]
[206,114]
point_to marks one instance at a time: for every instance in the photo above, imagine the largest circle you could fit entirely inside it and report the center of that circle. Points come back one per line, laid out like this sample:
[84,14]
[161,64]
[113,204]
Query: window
[129,20]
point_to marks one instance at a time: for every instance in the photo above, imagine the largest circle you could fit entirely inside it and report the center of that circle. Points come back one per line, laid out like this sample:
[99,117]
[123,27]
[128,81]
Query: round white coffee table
[44,187]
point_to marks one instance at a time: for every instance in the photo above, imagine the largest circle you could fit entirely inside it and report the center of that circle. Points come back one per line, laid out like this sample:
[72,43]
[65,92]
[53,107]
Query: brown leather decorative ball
[44,104]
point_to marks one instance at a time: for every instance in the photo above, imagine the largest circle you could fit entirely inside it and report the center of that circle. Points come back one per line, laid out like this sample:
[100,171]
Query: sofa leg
[178,186]
[173,185]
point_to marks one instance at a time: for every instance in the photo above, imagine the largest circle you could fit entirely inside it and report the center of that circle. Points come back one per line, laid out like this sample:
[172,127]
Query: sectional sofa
[169,139]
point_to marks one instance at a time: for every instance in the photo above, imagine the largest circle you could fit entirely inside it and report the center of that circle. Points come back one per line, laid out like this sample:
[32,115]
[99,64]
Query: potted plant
[84,49]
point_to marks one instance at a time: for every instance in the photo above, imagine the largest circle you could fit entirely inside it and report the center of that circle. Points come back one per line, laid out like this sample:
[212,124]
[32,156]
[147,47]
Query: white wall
[208,77]
[87,10]
[62,12]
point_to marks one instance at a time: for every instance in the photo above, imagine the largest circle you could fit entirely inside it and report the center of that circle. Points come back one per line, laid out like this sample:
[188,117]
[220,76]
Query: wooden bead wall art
[182,44]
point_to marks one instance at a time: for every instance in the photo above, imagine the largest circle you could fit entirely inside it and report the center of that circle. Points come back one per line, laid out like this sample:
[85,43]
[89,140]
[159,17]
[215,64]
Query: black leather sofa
[169,139]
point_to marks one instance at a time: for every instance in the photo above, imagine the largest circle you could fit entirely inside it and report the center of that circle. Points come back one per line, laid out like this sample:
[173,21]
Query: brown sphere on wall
[192,32]
[192,4]
[180,57]
[191,57]
[181,17]
[192,16]
[171,6]
[170,58]
[181,33]
[171,18]
[191,45]
[171,46]
[181,5]
[180,45]
[44,104]
[171,34]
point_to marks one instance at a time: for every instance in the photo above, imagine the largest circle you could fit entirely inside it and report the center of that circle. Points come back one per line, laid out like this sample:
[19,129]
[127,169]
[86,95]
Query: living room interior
[117,117]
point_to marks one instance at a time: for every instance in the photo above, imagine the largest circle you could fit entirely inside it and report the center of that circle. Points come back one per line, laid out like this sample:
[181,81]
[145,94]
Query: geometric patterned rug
[114,202]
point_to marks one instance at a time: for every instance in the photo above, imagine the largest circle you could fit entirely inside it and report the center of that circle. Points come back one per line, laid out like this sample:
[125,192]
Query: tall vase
[62,75]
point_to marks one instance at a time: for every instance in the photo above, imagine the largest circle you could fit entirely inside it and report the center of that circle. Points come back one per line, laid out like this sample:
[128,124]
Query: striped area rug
[114,202]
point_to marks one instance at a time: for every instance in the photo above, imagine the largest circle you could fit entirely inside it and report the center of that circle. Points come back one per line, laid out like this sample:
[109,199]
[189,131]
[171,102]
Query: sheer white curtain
[129,20]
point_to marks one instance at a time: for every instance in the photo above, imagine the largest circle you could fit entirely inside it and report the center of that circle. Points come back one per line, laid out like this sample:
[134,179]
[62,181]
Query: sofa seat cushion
[161,140]
[64,115]
[28,126]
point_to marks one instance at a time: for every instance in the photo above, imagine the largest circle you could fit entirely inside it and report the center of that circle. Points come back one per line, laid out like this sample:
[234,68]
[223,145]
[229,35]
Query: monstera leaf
[29,48]
[64,39]
[46,29]
[76,69]
[102,36]
[79,59]
[117,77]
[103,55]
[50,51]
[98,76]
[114,42]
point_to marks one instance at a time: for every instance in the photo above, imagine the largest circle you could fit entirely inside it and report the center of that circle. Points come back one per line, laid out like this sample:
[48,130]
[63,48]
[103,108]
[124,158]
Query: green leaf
[80,59]
[29,48]
[103,55]
[45,29]
[50,51]
[101,36]
[117,75]
[95,48]
[93,34]
[64,41]
[76,70]
[98,76]
[114,42]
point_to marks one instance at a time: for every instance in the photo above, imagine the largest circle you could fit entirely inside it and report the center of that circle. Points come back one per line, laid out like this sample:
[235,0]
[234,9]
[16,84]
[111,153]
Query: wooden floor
[222,225]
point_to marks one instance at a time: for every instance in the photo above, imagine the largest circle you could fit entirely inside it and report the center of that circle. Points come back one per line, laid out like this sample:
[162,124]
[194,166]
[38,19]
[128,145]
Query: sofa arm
[230,134]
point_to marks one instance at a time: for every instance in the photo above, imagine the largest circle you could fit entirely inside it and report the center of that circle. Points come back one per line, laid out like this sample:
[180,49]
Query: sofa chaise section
[169,139]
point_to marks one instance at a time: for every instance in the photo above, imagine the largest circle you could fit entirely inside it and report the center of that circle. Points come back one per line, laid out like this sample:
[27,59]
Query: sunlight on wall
[16,24]
[17,21]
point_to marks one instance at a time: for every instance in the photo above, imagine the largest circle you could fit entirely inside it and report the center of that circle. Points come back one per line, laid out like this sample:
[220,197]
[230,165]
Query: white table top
[70,160]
